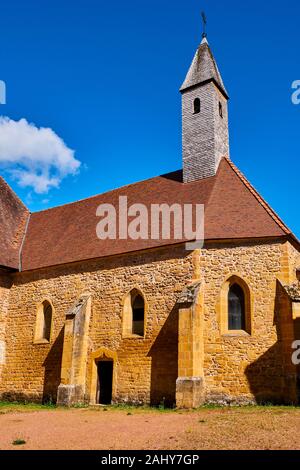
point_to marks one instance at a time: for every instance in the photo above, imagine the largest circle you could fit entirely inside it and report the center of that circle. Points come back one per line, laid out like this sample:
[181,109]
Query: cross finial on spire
[204,20]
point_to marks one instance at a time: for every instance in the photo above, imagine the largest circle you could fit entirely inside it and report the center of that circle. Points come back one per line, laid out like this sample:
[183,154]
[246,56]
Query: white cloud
[35,157]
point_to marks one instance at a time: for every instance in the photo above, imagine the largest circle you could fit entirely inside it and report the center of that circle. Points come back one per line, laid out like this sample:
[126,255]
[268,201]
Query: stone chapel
[84,320]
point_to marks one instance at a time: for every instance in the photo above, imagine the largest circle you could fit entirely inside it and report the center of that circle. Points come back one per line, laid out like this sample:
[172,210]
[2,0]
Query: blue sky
[105,77]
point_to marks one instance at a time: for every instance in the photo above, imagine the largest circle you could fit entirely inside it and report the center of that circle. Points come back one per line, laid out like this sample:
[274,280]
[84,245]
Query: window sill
[132,336]
[41,341]
[236,333]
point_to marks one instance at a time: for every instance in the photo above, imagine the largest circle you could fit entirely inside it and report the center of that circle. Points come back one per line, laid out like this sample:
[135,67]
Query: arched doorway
[103,376]
[105,368]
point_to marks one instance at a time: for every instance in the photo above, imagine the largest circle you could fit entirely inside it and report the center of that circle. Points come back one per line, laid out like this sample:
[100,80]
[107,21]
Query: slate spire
[204,69]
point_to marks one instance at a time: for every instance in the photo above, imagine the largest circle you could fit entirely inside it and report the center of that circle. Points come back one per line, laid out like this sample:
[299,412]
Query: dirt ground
[98,429]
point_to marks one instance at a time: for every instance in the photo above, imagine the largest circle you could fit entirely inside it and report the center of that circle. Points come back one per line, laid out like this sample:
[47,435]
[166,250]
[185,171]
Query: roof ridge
[259,198]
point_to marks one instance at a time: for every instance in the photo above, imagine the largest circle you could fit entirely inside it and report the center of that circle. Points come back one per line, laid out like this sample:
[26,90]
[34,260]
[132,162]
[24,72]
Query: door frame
[98,390]
[102,354]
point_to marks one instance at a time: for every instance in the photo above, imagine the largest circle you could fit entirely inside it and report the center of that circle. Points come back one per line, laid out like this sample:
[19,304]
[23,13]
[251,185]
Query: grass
[7,407]
[10,407]
[18,442]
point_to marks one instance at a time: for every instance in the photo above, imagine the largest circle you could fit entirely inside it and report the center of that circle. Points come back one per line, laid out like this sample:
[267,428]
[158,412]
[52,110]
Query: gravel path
[114,429]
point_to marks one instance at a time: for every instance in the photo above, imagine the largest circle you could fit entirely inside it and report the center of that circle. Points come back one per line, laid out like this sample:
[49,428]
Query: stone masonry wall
[5,284]
[236,367]
[146,368]
[293,261]
[244,367]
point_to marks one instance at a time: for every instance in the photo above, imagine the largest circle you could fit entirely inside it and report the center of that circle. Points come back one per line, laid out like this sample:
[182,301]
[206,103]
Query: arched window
[134,314]
[138,315]
[236,308]
[197,106]
[47,320]
[220,109]
[43,322]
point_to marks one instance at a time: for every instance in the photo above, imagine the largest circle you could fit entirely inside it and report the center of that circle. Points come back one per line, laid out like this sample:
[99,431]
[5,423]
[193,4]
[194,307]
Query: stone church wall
[246,367]
[237,367]
[146,369]
[5,284]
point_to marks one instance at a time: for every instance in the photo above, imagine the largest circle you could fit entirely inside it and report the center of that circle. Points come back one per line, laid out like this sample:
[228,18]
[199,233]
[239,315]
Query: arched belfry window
[236,308]
[197,106]
[220,109]
[134,314]
[43,322]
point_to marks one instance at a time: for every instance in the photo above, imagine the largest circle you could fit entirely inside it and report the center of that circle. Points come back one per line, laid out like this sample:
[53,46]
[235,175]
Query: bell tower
[205,136]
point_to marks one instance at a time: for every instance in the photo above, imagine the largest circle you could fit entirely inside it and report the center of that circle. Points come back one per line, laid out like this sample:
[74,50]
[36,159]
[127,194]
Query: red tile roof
[13,218]
[233,210]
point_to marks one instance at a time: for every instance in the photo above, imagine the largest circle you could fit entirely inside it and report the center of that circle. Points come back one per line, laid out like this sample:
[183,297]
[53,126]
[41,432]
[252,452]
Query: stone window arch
[44,318]
[102,354]
[236,307]
[134,314]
